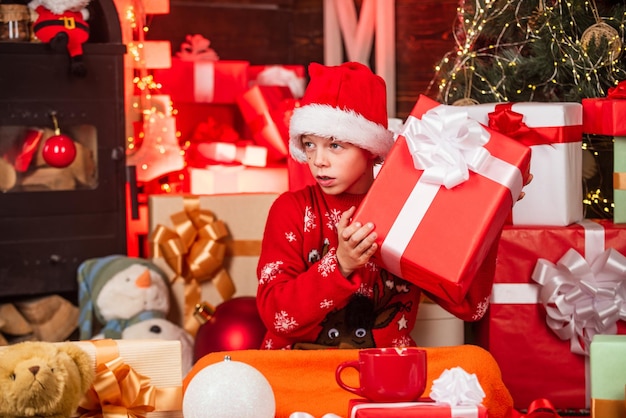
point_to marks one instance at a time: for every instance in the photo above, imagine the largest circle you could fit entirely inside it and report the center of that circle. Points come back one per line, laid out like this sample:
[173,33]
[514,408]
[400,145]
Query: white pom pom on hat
[346,102]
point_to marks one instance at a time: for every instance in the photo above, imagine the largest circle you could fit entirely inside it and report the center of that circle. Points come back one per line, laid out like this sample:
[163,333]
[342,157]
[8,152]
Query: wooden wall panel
[423,36]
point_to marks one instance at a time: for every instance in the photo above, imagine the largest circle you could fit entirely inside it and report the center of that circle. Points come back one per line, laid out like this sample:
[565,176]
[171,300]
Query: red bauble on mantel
[234,325]
[59,151]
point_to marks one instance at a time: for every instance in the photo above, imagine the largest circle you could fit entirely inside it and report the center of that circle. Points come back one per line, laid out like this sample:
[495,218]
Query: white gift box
[223,179]
[554,196]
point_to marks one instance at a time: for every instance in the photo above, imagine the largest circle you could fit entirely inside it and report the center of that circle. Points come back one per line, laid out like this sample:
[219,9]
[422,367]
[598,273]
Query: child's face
[338,166]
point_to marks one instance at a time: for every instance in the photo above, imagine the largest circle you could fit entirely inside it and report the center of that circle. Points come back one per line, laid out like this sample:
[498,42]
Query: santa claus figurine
[63,25]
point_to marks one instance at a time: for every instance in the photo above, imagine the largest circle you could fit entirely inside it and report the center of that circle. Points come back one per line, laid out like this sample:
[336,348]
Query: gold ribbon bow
[195,250]
[118,391]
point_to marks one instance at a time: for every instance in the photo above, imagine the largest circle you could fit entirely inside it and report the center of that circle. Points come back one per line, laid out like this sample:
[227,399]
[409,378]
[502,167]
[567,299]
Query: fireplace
[52,219]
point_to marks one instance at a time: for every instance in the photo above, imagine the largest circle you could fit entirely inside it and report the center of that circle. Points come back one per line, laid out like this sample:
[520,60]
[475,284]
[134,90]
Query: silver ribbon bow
[583,298]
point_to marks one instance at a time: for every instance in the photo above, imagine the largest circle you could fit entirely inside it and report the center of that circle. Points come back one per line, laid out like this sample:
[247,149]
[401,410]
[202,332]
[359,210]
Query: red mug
[387,374]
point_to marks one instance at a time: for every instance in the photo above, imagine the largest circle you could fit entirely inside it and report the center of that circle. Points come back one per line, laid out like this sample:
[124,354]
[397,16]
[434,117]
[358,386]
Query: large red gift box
[266,111]
[516,330]
[603,115]
[431,235]
[361,408]
[203,81]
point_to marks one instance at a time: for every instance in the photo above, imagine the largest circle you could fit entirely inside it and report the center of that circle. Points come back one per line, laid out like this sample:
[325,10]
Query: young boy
[317,286]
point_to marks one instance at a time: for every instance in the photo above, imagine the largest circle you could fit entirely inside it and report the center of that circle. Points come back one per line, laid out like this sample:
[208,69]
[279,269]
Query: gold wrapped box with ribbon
[134,378]
[209,247]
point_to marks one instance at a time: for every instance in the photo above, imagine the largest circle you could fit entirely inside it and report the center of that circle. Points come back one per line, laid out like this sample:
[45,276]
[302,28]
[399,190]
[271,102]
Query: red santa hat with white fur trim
[346,102]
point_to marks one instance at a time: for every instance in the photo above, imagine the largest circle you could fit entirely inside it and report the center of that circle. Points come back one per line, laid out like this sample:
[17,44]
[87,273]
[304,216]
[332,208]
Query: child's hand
[356,243]
[522,194]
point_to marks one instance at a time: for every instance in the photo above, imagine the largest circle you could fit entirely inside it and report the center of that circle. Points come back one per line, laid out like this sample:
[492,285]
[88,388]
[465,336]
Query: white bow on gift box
[583,296]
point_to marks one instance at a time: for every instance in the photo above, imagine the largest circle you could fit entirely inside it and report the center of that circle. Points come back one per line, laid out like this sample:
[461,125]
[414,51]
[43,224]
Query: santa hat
[346,102]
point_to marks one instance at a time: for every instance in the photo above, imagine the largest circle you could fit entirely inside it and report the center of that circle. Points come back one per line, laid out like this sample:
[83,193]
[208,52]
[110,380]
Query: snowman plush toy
[63,25]
[123,297]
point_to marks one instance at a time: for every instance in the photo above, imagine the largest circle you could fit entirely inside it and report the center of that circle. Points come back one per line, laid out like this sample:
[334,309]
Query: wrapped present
[555,287]
[291,76]
[229,179]
[608,376]
[604,115]
[219,82]
[208,245]
[553,131]
[147,372]
[266,111]
[226,152]
[455,393]
[360,408]
[435,235]
[619,179]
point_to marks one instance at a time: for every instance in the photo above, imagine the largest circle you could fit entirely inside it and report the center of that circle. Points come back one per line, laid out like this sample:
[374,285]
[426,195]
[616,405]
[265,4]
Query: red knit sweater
[303,297]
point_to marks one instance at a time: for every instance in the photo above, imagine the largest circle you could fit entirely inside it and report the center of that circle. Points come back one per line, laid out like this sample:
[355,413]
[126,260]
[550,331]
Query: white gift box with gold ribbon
[208,245]
[146,374]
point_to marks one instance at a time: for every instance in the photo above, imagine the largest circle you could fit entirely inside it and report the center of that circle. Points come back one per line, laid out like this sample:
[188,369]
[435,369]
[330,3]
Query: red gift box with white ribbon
[555,287]
[360,408]
[219,82]
[436,222]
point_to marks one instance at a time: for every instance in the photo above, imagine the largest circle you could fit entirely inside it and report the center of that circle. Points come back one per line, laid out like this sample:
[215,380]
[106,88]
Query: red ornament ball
[235,325]
[59,151]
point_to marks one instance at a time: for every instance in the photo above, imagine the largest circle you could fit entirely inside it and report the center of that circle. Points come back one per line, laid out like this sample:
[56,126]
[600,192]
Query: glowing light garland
[502,53]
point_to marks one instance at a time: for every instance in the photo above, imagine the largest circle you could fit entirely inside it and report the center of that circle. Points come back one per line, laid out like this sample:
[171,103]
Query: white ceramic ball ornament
[229,389]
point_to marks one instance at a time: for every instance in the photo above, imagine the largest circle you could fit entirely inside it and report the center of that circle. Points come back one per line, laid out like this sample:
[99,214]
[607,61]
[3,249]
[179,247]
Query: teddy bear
[63,25]
[43,379]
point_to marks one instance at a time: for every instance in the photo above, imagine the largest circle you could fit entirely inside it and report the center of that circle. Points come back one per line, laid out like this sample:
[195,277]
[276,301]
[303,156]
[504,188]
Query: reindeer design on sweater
[352,325]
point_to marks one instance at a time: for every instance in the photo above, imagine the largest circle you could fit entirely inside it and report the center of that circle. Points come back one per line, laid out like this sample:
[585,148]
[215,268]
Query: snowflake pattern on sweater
[305,301]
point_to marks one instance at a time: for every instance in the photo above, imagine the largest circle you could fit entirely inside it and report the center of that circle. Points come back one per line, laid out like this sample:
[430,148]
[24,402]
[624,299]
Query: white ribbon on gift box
[583,296]
[527,293]
[446,144]
[204,81]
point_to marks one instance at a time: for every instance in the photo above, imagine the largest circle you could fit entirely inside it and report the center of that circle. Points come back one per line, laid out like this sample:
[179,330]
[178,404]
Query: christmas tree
[540,51]
[533,50]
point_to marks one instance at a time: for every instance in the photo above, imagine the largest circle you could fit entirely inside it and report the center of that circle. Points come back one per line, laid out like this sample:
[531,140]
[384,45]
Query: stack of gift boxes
[232,121]
[226,118]
[559,278]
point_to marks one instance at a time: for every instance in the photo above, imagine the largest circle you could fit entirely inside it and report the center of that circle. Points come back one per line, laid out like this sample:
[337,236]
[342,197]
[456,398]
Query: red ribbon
[510,123]
[539,408]
[618,92]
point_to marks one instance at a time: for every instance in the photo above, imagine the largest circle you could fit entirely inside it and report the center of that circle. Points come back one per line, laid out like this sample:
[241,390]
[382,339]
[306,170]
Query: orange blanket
[304,380]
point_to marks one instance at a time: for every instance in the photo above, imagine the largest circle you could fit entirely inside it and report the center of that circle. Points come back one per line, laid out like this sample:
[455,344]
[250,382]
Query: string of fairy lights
[149,106]
[545,51]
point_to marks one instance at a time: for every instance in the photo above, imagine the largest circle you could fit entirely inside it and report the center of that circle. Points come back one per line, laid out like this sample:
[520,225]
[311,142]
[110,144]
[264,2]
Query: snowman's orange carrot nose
[144,279]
